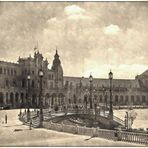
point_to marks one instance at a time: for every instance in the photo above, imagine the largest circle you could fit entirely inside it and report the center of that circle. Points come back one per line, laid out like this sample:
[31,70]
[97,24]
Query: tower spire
[36,47]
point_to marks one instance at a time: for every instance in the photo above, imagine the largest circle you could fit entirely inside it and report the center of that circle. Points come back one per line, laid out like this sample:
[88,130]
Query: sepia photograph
[73,74]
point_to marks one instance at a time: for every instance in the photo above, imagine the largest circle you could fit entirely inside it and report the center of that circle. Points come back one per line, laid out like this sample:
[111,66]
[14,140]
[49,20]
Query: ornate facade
[14,85]
[59,90]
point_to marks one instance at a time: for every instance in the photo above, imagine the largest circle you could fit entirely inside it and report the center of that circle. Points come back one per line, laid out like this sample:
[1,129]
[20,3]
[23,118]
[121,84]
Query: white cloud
[75,12]
[73,9]
[111,29]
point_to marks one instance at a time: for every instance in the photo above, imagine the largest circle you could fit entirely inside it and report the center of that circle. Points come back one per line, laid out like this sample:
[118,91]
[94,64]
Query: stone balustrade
[96,132]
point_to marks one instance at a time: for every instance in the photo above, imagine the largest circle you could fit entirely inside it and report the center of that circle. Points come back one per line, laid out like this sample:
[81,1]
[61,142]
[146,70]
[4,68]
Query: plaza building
[125,92]
[20,82]
[20,86]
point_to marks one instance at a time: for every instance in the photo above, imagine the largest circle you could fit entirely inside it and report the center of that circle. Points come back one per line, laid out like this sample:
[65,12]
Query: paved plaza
[16,134]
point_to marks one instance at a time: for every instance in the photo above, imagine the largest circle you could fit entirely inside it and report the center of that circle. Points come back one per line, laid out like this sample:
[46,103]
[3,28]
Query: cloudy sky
[91,37]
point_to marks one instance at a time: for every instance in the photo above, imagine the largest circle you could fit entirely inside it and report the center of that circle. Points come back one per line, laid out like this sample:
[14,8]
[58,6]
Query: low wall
[108,134]
[96,132]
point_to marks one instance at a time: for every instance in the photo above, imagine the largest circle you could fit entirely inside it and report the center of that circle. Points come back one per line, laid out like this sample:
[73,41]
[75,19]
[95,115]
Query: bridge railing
[118,120]
[134,137]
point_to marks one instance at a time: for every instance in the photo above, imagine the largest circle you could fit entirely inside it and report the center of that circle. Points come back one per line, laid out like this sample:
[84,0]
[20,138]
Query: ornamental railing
[116,135]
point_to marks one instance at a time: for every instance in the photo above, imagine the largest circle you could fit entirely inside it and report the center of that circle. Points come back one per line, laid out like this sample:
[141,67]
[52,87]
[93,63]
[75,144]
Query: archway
[34,100]
[1,99]
[22,100]
[47,97]
[17,102]
[116,100]
[7,100]
[12,99]
[60,99]
[85,101]
[53,96]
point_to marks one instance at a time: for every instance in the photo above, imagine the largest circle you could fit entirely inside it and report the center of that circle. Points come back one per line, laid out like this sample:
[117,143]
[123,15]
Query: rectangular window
[8,71]
[4,71]
[15,72]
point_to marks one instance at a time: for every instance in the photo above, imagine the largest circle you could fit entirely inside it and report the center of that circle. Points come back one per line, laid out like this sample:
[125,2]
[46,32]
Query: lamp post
[103,88]
[90,95]
[95,106]
[110,109]
[41,95]
[28,111]
[126,120]
[86,99]
[20,106]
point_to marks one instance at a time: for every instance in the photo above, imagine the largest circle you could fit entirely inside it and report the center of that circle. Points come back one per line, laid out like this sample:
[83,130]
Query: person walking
[30,124]
[6,119]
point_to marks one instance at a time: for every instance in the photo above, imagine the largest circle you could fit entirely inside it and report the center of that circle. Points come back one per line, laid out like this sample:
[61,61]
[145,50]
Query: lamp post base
[110,116]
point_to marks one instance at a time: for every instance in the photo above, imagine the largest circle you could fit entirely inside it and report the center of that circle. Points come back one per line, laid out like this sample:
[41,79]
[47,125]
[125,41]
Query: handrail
[118,120]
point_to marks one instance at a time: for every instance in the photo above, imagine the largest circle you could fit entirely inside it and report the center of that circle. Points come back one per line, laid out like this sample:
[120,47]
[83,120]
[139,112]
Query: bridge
[79,117]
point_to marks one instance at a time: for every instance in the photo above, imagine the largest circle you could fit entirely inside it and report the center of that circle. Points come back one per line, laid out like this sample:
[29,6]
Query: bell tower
[57,68]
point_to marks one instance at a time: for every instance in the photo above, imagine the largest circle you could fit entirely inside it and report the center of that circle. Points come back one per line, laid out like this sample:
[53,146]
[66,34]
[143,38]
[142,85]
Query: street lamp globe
[28,77]
[110,75]
[41,73]
[90,78]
